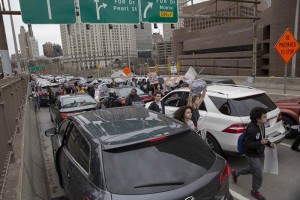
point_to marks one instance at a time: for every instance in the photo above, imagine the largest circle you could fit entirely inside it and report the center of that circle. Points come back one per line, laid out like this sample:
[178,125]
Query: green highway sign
[48,11]
[159,11]
[36,69]
[109,11]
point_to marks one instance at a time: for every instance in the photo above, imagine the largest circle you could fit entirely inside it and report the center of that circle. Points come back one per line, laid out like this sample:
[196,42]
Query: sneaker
[257,195]
[295,148]
[234,176]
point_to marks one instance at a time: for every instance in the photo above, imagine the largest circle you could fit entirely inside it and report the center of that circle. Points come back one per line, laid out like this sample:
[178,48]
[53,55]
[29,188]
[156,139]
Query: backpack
[241,142]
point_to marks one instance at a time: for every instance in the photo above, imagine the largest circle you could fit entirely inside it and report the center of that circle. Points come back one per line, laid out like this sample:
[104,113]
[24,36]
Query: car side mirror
[50,132]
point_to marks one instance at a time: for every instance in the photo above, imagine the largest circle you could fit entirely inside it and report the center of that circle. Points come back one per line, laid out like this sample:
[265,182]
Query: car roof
[229,91]
[123,126]
[72,95]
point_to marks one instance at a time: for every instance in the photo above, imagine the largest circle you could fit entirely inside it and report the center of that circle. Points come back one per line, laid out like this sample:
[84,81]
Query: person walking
[184,114]
[36,98]
[91,91]
[132,97]
[69,89]
[254,146]
[157,105]
[50,94]
[80,90]
[295,145]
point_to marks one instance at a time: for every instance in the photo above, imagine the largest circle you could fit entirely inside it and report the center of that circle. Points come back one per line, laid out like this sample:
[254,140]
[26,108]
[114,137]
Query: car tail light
[235,128]
[158,139]
[85,198]
[65,115]
[279,118]
[121,101]
[42,93]
[225,174]
[61,91]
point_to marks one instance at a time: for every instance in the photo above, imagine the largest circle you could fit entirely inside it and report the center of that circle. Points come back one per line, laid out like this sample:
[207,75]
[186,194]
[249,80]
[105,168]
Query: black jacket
[153,106]
[253,137]
[195,116]
[130,99]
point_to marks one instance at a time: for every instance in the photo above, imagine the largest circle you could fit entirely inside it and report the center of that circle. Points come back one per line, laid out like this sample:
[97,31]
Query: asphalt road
[284,186]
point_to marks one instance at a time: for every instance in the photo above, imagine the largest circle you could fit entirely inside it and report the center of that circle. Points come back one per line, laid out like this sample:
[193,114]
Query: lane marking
[284,144]
[237,195]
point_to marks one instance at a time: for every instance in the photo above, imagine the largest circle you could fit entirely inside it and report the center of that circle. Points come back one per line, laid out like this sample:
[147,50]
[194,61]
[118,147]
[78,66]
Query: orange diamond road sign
[287,46]
[127,71]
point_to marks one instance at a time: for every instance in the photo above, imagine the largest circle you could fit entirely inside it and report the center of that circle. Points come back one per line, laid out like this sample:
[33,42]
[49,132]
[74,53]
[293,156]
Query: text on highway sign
[287,46]
[109,11]
[159,11]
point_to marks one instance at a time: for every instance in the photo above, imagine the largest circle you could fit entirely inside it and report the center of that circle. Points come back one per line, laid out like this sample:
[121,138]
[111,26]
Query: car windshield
[77,101]
[124,92]
[157,167]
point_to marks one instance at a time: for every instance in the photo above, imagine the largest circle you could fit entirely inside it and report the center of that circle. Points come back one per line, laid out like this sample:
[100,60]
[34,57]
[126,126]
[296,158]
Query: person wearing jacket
[132,97]
[255,143]
[157,105]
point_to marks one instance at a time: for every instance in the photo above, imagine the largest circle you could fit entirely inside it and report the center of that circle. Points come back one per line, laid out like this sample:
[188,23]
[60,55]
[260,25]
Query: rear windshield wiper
[160,184]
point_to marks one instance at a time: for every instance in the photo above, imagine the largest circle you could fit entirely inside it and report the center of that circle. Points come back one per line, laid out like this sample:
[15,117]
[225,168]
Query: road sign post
[109,11]
[159,11]
[286,47]
[48,11]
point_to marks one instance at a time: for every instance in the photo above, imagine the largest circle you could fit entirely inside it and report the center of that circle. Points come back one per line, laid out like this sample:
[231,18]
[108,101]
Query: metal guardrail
[13,92]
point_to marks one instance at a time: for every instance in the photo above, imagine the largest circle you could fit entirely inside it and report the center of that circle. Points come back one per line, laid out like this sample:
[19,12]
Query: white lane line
[284,144]
[237,195]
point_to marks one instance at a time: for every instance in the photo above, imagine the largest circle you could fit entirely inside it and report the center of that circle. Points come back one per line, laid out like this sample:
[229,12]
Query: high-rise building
[52,50]
[144,38]
[96,44]
[156,38]
[167,30]
[164,51]
[28,44]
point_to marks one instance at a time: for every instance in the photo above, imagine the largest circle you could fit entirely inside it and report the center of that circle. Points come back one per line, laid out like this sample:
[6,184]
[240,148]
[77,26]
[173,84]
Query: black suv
[131,153]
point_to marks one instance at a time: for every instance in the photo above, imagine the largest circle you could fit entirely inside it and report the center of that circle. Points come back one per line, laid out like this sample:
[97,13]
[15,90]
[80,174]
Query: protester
[36,98]
[50,94]
[255,142]
[184,114]
[80,90]
[132,97]
[157,105]
[91,90]
[195,102]
[144,87]
[158,88]
[69,89]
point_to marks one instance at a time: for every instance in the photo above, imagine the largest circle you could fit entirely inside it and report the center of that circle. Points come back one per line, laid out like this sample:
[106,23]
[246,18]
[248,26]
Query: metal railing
[13,92]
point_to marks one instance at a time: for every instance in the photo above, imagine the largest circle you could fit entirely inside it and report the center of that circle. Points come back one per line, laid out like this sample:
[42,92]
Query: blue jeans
[37,103]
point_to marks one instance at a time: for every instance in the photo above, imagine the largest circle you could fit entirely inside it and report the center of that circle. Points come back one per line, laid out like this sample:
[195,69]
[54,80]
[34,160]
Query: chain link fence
[13,92]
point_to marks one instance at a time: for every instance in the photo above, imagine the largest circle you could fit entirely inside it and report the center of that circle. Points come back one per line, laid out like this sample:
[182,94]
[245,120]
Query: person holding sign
[254,146]
[132,97]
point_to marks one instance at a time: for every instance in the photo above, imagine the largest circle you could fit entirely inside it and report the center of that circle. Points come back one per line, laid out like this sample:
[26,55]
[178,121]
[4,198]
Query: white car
[225,114]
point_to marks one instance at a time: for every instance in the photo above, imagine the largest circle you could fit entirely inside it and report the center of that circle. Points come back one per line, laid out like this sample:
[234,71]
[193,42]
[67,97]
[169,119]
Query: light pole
[296,37]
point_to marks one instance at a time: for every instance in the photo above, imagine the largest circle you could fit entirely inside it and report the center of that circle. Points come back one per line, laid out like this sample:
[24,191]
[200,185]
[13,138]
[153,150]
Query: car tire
[213,144]
[287,124]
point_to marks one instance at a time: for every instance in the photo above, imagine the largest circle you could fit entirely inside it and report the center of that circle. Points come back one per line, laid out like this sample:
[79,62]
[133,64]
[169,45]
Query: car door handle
[67,173]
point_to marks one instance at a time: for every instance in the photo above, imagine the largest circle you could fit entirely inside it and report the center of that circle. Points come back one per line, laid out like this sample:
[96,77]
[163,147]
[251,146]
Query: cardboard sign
[191,74]
[153,79]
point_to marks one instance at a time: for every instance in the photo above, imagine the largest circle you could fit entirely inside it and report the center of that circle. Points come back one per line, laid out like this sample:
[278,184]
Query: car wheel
[287,124]
[213,144]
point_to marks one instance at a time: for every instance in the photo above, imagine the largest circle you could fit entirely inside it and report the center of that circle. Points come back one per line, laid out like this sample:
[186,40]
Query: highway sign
[36,69]
[109,11]
[159,11]
[48,11]
[173,69]
[287,46]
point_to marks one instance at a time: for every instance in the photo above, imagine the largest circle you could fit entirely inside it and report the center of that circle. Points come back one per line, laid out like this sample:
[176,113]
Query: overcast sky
[43,33]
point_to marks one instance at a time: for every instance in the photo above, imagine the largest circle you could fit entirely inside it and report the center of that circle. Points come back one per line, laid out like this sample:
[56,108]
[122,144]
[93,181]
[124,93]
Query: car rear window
[77,101]
[241,107]
[157,167]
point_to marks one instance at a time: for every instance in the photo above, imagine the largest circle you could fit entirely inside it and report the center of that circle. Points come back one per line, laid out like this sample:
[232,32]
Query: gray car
[131,153]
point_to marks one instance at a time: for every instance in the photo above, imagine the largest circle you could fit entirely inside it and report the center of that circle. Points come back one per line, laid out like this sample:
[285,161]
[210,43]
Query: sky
[42,33]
